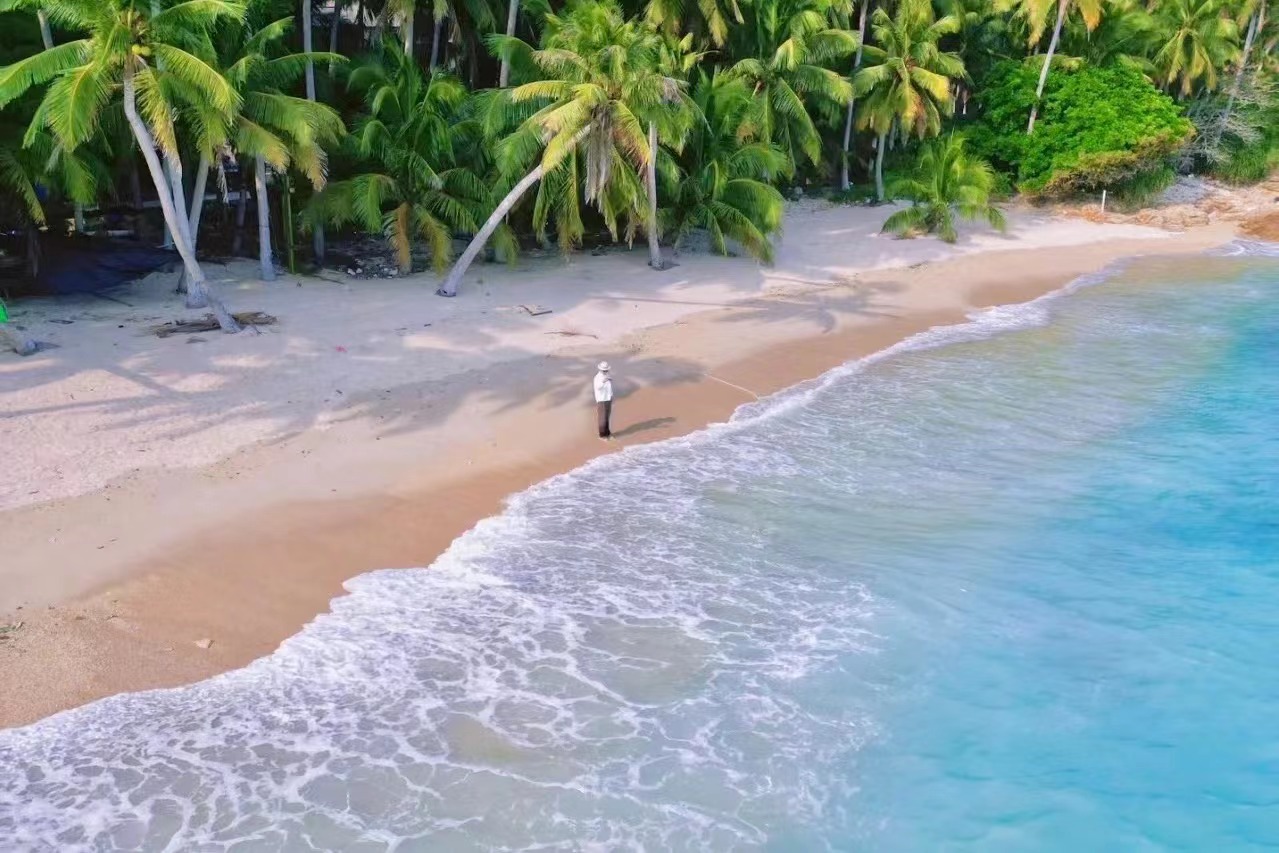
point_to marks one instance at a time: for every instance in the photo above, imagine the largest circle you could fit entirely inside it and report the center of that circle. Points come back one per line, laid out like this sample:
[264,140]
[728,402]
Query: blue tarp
[91,264]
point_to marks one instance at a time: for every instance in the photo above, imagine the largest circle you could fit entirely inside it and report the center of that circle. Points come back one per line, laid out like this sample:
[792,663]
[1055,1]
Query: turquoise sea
[1013,585]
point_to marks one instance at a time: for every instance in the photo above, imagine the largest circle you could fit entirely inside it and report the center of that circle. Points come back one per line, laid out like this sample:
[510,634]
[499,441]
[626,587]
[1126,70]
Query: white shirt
[603,387]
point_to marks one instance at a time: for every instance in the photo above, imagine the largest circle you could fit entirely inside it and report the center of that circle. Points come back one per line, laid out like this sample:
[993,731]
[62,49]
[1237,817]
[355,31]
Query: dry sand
[160,494]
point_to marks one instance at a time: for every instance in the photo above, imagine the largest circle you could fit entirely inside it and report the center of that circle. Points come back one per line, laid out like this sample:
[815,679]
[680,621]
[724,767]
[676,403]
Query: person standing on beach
[604,400]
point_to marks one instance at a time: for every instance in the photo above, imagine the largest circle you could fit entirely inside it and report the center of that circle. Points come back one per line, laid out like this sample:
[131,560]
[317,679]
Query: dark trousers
[605,411]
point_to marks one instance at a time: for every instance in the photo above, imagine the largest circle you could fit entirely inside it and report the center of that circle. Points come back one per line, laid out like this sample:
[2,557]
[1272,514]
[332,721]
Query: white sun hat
[604,367]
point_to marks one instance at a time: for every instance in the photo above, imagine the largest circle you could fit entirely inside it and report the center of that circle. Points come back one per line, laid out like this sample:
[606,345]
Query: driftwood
[210,323]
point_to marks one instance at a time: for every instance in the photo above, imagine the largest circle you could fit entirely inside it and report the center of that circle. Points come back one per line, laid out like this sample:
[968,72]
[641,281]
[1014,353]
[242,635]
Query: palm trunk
[335,30]
[264,222]
[473,249]
[650,179]
[173,170]
[241,213]
[306,48]
[135,186]
[46,33]
[33,251]
[879,165]
[197,200]
[196,283]
[1243,67]
[46,36]
[193,217]
[435,43]
[512,15]
[1048,61]
[852,103]
[317,237]
[408,33]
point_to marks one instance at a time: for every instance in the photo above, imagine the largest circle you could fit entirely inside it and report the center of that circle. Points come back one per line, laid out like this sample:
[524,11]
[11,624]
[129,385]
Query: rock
[1263,227]
[206,643]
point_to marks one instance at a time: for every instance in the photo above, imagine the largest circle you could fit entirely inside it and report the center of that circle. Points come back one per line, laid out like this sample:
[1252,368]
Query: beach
[172,510]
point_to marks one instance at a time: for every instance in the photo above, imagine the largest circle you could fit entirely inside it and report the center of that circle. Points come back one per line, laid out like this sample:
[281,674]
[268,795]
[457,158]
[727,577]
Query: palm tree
[946,185]
[1197,41]
[907,82]
[317,236]
[603,80]
[1036,13]
[276,130]
[722,186]
[852,102]
[708,19]
[1255,13]
[1127,35]
[405,11]
[415,147]
[793,41]
[146,56]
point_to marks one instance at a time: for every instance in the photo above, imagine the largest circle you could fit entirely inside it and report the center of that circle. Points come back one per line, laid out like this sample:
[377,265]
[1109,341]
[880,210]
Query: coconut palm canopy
[431,123]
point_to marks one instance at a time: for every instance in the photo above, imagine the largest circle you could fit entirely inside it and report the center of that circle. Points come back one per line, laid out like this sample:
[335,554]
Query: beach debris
[536,310]
[205,644]
[572,333]
[210,323]
[7,632]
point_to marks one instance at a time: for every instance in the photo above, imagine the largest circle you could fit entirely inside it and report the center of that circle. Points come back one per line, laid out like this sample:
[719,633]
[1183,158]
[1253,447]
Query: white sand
[109,399]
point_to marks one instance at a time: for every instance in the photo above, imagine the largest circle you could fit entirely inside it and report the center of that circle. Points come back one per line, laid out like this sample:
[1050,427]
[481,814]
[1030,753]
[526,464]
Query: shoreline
[241,554]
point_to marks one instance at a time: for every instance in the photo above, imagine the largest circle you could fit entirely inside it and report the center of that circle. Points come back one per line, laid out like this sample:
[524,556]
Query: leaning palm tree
[1036,14]
[1197,41]
[603,79]
[794,42]
[148,57]
[413,147]
[946,185]
[907,79]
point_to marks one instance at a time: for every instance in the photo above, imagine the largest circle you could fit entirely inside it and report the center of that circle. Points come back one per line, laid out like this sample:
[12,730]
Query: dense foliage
[1098,128]
[515,121]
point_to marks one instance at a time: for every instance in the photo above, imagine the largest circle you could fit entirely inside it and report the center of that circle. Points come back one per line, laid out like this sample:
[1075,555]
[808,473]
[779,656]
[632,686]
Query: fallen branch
[210,323]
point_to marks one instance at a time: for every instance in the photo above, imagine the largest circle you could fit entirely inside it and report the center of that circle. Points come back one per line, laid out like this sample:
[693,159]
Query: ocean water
[1012,586]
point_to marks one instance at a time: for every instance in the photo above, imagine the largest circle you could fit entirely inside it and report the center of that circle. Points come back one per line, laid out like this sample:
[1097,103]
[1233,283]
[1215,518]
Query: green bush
[1098,128]
[1248,164]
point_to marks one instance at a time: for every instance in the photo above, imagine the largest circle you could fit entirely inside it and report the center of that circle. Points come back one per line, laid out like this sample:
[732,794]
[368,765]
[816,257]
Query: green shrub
[1248,164]
[1098,128]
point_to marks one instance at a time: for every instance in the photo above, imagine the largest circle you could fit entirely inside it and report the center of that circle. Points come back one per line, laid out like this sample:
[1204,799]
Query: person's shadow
[643,426]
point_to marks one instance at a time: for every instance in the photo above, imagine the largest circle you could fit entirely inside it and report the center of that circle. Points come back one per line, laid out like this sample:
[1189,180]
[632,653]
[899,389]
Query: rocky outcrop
[1195,201]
